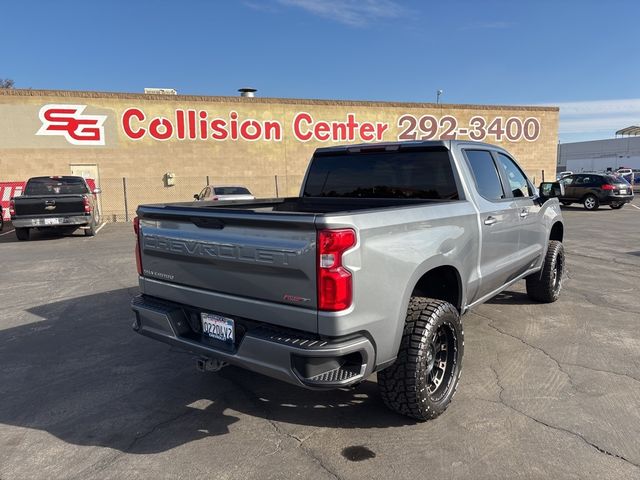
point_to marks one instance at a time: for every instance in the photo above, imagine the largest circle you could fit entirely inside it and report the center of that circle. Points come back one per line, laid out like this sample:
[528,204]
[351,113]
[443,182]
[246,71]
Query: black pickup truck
[62,202]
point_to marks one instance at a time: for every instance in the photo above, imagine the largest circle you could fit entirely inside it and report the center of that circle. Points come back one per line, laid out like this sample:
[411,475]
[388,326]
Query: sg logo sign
[69,121]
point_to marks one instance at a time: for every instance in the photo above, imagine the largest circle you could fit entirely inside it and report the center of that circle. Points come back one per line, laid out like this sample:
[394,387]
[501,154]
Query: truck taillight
[335,289]
[136,229]
[87,204]
[12,207]
[607,186]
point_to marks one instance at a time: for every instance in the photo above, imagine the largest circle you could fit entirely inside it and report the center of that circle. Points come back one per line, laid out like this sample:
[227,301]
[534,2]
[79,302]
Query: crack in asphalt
[155,428]
[554,427]
[603,303]
[502,332]
[612,259]
[631,377]
[557,362]
[299,441]
[104,463]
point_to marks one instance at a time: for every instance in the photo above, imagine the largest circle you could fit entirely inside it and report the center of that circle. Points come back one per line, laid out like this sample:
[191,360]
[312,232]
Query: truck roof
[57,177]
[448,144]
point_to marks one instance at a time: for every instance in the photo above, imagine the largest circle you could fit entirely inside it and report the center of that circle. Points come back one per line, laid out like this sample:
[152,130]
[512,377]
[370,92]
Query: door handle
[524,212]
[490,220]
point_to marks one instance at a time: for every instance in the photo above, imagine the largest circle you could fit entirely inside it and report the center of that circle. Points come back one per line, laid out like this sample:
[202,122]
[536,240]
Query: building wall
[44,132]
[600,154]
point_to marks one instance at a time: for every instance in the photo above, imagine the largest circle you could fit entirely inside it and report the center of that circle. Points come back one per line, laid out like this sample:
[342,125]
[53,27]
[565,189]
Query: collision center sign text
[199,125]
[78,128]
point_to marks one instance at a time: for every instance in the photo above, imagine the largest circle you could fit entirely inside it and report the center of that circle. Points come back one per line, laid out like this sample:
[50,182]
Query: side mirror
[551,190]
[196,196]
[97,190]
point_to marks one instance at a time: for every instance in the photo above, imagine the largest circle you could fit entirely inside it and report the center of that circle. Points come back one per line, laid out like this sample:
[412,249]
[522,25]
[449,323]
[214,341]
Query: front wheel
[591,202]
[424,377]
[545,286]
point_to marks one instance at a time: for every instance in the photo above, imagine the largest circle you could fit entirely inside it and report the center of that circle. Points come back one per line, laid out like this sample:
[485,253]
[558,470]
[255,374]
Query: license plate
[218,327]
[623,191]
[51,221]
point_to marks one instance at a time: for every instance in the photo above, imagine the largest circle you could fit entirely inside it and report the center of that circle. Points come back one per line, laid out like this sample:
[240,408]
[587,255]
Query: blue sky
[575,54]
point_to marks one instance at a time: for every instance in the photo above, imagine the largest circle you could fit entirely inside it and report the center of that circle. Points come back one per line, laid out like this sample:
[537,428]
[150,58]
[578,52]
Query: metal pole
[207,181]
[543,175]
[276,178]
[126,205]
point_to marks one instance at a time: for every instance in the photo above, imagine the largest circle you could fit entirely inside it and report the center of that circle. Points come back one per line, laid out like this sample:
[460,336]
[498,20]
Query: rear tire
[616,206]
[545,286]
[424,378]
[90,231]
[22,234]
[591,202]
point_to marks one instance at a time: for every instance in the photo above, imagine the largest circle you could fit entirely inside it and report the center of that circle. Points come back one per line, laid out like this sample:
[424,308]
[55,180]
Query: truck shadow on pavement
[78,372]
[509,297]
[39,235]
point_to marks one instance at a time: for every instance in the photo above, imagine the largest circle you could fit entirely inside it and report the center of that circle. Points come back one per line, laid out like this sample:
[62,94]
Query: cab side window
[569,180]
[580,180]
[589,180]
[518,182]
[485,174]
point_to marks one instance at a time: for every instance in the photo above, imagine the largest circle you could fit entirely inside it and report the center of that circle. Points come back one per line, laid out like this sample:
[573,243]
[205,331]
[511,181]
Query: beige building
[155,148]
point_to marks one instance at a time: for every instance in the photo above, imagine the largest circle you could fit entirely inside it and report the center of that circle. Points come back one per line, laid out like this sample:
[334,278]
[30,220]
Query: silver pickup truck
[369,270]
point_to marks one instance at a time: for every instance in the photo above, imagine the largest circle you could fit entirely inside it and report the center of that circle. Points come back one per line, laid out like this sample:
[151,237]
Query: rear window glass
[612,179]
[231,191]
[55,186]
[425,174]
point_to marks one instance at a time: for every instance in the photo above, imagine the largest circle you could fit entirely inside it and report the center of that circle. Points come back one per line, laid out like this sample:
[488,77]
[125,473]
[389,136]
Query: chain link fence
[121,196]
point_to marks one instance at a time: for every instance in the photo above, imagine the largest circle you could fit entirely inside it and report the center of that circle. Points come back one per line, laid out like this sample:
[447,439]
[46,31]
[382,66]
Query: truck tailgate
[49,205]
[269,257]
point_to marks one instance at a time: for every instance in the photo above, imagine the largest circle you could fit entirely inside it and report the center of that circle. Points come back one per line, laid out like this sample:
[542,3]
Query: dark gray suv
[595,189]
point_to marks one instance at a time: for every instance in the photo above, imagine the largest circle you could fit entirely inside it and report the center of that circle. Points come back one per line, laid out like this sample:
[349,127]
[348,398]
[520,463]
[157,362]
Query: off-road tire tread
[402,386]
[540,285]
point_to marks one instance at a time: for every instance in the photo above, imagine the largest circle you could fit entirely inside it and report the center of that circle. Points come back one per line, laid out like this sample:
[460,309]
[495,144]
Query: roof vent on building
[160,91]
[247,92]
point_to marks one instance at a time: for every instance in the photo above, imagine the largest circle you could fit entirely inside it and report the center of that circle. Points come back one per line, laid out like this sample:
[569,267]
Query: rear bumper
[301,360]
[40,221]
[616,199]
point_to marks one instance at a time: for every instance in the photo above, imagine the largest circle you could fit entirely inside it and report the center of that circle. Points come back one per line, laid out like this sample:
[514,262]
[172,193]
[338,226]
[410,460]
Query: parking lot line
[100,227]
[7,233]
[634,206]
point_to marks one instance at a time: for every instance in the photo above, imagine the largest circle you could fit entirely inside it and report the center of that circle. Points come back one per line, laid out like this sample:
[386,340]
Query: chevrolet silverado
[369,269]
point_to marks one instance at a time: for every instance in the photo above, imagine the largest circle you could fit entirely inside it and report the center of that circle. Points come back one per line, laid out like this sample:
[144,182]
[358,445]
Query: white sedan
[213,193]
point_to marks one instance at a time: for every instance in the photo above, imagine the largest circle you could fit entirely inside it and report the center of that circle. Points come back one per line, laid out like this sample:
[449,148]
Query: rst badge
[69,121]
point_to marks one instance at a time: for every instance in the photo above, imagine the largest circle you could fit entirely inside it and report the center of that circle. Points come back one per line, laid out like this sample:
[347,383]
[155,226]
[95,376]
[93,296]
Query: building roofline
[263,100]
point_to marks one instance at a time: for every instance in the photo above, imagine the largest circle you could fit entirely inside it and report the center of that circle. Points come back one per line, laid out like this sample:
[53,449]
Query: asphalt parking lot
[547,391]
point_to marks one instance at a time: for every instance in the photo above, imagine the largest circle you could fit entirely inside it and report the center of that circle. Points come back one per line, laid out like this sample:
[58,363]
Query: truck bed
[293,205]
